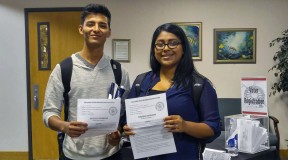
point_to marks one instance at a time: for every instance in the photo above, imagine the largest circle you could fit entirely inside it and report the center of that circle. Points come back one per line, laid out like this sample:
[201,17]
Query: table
[270,154]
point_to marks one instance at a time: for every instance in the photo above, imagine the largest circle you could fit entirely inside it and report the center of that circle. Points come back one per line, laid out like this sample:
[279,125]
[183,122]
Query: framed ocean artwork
[193,31]
[235,45]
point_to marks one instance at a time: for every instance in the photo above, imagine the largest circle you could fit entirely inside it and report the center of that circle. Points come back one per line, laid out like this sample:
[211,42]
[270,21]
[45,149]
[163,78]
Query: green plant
[281,65]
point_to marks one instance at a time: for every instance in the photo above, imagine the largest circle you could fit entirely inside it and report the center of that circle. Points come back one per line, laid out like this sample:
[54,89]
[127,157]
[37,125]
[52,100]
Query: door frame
[29,104]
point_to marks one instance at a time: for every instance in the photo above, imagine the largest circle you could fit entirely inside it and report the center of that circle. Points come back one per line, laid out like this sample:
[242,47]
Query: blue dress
[180,102]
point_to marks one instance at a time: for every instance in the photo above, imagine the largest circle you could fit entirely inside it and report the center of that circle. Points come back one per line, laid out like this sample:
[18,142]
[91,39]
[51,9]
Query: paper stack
[252,138]
[213,154]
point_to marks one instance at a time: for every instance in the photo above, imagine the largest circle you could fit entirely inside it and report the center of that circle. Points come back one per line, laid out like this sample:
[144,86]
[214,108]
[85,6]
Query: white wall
[136,20]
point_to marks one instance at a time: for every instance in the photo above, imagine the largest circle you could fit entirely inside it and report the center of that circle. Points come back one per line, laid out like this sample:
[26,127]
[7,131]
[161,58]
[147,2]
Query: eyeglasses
[171,44]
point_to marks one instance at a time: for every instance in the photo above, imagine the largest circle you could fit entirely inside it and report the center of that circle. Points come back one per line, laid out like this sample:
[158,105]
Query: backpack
[66,72]
[197,91]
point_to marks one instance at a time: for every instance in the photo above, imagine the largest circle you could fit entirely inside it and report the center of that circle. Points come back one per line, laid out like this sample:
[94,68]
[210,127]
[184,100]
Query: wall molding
[14,155]
[283,153]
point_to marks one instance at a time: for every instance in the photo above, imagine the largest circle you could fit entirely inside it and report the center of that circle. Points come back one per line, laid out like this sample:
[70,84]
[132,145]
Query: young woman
[173,72]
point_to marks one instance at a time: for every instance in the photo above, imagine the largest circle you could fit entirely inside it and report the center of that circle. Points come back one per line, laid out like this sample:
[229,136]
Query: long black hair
[185,68]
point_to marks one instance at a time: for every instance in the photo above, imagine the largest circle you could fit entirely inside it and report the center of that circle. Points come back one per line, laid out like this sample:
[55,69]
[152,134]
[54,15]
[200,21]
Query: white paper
[145,115]
[254,95]
[251,136]
[101,115]
[122,50]
[212,154]
[262,137]
[244,134]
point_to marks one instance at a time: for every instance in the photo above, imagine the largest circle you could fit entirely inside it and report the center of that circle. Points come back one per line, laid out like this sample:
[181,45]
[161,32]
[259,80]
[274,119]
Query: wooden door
[64,40]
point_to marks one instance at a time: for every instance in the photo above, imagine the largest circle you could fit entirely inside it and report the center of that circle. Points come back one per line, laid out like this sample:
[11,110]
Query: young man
[91,77]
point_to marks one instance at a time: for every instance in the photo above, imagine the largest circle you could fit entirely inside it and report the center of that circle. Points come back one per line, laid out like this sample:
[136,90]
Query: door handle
[36,96]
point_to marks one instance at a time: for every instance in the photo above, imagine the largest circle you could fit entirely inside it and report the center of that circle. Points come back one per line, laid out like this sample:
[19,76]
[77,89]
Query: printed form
[145,116]
[101,115]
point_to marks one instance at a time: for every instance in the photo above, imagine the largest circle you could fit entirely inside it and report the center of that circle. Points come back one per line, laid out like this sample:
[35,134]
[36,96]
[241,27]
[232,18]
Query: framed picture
[44,55]
[121,50]
[234,45]
[193,31]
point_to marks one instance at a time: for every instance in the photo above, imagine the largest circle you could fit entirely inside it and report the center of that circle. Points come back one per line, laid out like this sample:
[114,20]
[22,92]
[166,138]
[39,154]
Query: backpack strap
[66,73]
[138,82]
[198,85]
[116,66]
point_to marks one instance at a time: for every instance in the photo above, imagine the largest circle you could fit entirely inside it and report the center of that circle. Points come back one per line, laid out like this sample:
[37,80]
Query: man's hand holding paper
[74,128]
[101,115]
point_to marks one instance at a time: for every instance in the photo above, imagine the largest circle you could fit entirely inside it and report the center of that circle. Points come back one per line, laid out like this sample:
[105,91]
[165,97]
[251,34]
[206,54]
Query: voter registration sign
[254,95]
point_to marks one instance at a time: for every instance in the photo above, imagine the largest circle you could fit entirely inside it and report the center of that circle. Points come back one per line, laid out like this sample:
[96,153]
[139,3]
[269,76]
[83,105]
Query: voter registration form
[145,116]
